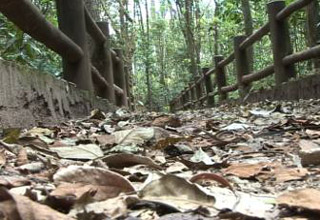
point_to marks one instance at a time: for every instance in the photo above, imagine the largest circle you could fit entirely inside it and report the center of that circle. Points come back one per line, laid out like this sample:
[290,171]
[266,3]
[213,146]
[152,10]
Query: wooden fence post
[242,65]
[187,96]
[72,22]
[126,71]
[107,70]
[120,78]
[198,91]
[280,40]
[183,99]
[220,77]
[192,95]
[172,106]
[209,87]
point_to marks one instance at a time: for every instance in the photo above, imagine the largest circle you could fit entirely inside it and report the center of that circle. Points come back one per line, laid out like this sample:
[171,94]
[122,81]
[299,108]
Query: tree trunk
[147,62]
[248,27]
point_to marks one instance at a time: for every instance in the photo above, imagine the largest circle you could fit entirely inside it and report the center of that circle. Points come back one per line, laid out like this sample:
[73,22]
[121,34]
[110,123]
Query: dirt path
[232,162]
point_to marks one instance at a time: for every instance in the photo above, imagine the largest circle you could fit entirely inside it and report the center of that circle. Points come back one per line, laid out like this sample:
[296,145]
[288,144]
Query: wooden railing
[203,88]
[104,74]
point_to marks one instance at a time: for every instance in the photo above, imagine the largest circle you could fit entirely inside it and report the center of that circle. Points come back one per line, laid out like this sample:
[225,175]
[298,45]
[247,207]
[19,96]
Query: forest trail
[253,161]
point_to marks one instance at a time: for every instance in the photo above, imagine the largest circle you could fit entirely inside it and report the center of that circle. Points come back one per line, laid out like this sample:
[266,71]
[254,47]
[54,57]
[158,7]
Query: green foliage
[19,47]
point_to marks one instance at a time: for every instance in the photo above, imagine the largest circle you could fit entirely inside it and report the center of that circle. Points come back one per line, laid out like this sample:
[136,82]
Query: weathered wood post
[220,77]
[190,101]
[120,78]
[180,101]
[72,22]
[192,95]
[280,39]
[126,71]
[107,69]
[186,97]
[242,65]
[183,100]
[198,91]
[172,105]
[209,87]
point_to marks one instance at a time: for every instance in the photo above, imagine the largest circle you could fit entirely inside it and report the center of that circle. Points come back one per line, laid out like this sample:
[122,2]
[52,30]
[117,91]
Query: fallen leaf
[107,184]
[97,114]
[200,156]
[106,139]
[135,136]
[11,135]
[245,170]
[163,121]
[81,152]
[309,152]
[211,176]
[3,158]
[22,157]
[111,208]
[13,181]
[34,132]
[235,126]
[284,174]
[308,199]
[19,207]
[176,192]
[122,160]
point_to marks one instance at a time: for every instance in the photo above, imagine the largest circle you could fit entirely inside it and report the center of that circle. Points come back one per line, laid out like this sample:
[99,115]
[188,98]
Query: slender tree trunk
[248,27]
[216,29]
[147,61]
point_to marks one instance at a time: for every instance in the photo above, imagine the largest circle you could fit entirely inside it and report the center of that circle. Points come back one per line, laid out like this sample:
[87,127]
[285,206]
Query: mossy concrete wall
[29,98]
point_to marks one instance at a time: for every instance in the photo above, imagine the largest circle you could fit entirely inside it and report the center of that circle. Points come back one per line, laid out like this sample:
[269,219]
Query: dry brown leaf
[106,139]
[111,208]
[3,158]
[281,173]
[107,184]
[211,176]
[245,170]
[13,181]
[284,174]
[22,157]
[14,207]
[177,192]
[163,121]
[302,198]
[122,160]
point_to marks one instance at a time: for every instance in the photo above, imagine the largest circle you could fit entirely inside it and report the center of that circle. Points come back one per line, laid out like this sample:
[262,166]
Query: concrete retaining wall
[304,88]
[29,98]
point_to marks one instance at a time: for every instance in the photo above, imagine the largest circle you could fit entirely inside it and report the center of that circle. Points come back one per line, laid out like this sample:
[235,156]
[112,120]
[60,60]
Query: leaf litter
[255,161]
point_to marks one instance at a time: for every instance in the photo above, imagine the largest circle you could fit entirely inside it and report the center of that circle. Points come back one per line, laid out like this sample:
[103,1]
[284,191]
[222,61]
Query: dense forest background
[167,42]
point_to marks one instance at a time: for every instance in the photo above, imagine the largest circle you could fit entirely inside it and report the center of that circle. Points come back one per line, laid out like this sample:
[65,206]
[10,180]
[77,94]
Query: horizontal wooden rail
[290,9]
[200,80]
[258,75]
[226,61]
[96,77]
[230,88]
[256,36]
[203,98]
[308,54]
[30,20]
[93,29]
[210,71]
